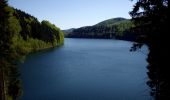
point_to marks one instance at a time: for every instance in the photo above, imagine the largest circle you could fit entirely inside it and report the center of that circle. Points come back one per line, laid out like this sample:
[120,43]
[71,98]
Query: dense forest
[118,28]
[152,25]
[20,34]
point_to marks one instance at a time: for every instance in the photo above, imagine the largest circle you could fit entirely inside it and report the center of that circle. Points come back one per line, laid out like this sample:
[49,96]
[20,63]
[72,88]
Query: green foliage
[23,47]
[34,35]
[9,26]
[44,31]
[51,33]
[123,26]
[112,28]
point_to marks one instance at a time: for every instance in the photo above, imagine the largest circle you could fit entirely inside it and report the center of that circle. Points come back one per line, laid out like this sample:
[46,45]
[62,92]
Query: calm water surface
[86,69]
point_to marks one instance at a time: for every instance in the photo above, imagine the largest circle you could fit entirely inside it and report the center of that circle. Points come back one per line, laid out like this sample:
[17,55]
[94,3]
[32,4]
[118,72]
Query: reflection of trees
[151,20]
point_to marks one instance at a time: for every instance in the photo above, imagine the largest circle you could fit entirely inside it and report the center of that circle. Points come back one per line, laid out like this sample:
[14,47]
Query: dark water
[86,69]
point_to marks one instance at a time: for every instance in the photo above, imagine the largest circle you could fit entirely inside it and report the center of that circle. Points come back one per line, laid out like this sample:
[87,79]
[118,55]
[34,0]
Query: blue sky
[74,13]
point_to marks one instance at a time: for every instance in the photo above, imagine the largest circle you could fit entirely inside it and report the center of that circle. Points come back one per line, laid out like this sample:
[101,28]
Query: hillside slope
[118,28]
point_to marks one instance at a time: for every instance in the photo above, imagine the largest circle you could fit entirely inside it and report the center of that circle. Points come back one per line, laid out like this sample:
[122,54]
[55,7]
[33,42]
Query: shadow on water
[53,49]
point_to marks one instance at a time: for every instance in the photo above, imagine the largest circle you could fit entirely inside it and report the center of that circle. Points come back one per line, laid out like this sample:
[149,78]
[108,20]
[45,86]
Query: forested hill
[111,22]
[20,34]
[37,34]
[112,28]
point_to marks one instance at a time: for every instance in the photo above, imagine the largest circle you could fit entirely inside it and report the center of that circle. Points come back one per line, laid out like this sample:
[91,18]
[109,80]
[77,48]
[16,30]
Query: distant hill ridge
[111,21]
[118,28]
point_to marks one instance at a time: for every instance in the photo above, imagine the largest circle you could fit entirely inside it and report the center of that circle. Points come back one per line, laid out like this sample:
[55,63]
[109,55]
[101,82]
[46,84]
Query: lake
[86,69]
